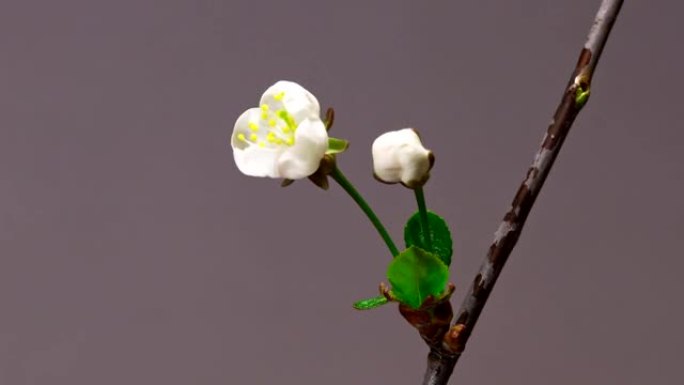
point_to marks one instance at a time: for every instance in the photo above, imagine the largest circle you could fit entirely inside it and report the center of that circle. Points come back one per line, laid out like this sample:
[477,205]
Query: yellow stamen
[272,122]
[242,137]
[290,141]
[253,126]
[264,107]
[271,137]
[262,144]
[264,115]
[279,96]
[253,137]
[285,129]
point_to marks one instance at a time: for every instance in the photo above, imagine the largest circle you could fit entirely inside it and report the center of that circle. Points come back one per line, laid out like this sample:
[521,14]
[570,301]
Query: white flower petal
[256,161]
[242,127]
[295,99]
[304,158]
[399,156]
[251,159]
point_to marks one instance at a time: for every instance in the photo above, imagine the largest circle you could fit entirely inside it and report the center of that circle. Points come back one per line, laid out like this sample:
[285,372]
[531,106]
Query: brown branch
[443,357]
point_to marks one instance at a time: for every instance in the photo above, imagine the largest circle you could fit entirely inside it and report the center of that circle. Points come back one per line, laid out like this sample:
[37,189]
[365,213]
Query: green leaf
[370,303]
[581,97]
[335,146]
[442,245]
[416,274]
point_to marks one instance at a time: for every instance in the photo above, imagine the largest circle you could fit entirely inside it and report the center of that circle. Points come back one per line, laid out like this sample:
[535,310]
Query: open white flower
[399,156]
[282,138]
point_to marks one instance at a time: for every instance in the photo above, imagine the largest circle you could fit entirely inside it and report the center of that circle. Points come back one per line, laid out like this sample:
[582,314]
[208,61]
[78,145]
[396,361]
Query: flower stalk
[422,209]
[339,177]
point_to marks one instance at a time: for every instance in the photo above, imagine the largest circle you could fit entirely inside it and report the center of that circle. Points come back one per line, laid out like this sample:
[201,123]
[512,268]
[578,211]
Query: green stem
[425,224]
[337,175]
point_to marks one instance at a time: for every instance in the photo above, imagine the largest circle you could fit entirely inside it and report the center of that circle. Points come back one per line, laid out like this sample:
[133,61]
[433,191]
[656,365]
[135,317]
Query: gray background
[134,252]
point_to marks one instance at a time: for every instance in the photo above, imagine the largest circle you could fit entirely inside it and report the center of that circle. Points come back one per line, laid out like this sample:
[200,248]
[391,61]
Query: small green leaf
[442,245]
[416,274]
[335,146]
[370,303]
[582,89]
[581,96]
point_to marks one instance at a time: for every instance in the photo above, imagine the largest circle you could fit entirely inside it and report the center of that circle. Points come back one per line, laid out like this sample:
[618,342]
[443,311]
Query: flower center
[271,129]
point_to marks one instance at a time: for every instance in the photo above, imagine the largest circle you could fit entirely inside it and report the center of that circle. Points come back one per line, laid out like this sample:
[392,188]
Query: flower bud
[399,157]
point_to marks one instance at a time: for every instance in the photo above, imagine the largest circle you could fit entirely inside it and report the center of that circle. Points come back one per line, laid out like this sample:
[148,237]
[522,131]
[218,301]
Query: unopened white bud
[399,157]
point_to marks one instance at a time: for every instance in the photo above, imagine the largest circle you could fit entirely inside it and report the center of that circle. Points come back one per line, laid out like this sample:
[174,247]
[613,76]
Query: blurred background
[132,251]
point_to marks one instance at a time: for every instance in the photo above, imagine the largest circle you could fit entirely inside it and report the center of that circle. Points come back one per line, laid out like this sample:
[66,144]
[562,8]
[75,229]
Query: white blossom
[399,157]
[282,138]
